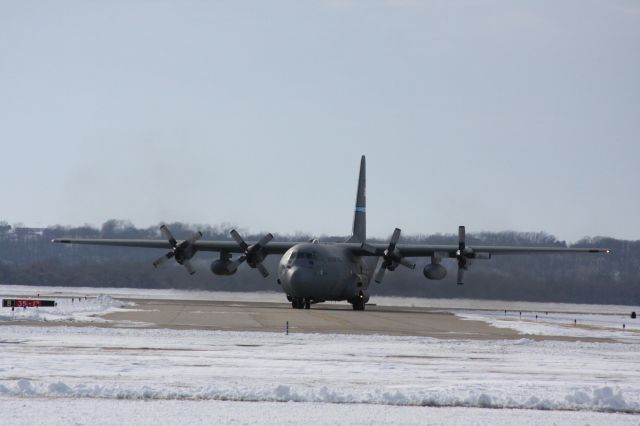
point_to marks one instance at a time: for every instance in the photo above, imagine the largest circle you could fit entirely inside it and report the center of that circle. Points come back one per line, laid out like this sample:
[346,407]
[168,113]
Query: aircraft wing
[204,245]
[424,250]
[394,254]
[406,250]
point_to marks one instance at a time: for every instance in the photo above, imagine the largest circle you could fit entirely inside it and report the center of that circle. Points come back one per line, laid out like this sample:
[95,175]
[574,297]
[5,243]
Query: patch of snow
[68,310]
[607,326]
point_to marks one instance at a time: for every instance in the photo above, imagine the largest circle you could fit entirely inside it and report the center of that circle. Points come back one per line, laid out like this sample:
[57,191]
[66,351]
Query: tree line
[28,257]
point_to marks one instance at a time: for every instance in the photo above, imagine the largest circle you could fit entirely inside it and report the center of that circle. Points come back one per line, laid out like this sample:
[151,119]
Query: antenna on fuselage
[359,233]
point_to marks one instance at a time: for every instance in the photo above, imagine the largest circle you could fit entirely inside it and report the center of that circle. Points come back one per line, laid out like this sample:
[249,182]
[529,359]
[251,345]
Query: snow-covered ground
[67,309]
[98,375]
[605,326]
[68,411]
[139,293]
[67,364]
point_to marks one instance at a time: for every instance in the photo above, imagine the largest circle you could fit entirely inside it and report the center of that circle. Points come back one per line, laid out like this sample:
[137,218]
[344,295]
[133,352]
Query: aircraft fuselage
[318,272]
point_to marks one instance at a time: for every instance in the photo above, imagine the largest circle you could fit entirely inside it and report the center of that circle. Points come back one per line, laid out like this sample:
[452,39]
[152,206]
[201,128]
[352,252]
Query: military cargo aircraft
[313,272]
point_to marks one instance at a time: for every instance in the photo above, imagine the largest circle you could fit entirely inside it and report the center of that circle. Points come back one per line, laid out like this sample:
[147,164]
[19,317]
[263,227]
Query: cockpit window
[301,257]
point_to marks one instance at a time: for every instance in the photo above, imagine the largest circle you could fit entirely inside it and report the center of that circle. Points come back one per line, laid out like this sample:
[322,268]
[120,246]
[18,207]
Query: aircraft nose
[298,278]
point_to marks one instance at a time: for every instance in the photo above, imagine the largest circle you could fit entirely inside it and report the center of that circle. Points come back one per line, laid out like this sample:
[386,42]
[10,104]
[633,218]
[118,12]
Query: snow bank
[602,399]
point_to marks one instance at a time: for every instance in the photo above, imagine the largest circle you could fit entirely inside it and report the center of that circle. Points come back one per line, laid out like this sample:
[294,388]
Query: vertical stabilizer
[359,234]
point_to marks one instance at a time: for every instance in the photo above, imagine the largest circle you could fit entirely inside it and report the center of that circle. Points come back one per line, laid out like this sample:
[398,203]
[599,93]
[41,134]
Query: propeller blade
[407,263]
[167,234]
[380,274]
[460,275]
[369,248]
[195,237]
[234,265]
[461,238]
[264,240]
[159,261]
[239,240]
[394,239]
[260,267]
[189,267]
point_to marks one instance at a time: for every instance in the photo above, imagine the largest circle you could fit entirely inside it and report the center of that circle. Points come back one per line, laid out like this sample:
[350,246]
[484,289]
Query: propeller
[182,251]
[462,255]
[391,257]
[252,254]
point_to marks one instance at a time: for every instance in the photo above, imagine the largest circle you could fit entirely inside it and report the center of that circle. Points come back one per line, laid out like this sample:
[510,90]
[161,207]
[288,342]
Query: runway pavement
[242,312]
[322,318]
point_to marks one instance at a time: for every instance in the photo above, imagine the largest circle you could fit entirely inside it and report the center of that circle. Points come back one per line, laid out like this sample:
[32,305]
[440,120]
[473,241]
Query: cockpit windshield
[302,258]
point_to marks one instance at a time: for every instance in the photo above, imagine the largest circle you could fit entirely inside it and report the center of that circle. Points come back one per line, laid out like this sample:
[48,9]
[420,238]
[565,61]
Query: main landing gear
[358,302]
[301,303]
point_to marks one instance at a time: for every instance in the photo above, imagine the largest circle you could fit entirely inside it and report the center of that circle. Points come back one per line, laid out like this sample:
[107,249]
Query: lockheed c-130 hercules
[314,272]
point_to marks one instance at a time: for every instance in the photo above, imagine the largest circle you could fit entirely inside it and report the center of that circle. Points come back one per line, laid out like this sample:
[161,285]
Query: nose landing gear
[301,302]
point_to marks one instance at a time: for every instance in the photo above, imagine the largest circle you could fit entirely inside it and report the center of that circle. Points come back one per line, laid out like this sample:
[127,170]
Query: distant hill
[28,257]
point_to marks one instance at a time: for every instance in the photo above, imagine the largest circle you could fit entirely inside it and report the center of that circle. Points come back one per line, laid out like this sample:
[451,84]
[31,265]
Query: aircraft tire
[358,305]
[307,303]
[297,303]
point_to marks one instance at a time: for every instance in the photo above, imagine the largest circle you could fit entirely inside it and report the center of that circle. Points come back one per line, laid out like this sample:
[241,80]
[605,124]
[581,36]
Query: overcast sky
[499,115]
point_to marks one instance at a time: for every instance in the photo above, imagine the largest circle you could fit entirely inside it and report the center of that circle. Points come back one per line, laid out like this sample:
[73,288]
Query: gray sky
[498,115]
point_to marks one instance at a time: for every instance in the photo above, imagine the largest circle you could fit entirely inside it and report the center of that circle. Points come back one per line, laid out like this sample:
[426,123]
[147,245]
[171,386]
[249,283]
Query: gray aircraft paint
[312,272]
[359,233]
[322,272]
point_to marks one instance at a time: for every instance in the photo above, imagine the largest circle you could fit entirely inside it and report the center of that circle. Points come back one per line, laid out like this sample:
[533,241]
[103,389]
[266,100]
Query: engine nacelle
[223,267]
[435,271]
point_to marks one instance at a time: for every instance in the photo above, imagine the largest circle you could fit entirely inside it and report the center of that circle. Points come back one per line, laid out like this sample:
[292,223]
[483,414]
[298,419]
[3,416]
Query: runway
[269,312]
[321,318]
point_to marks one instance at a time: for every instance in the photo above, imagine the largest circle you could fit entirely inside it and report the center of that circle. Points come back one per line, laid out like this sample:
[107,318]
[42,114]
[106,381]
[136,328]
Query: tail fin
[360,215]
